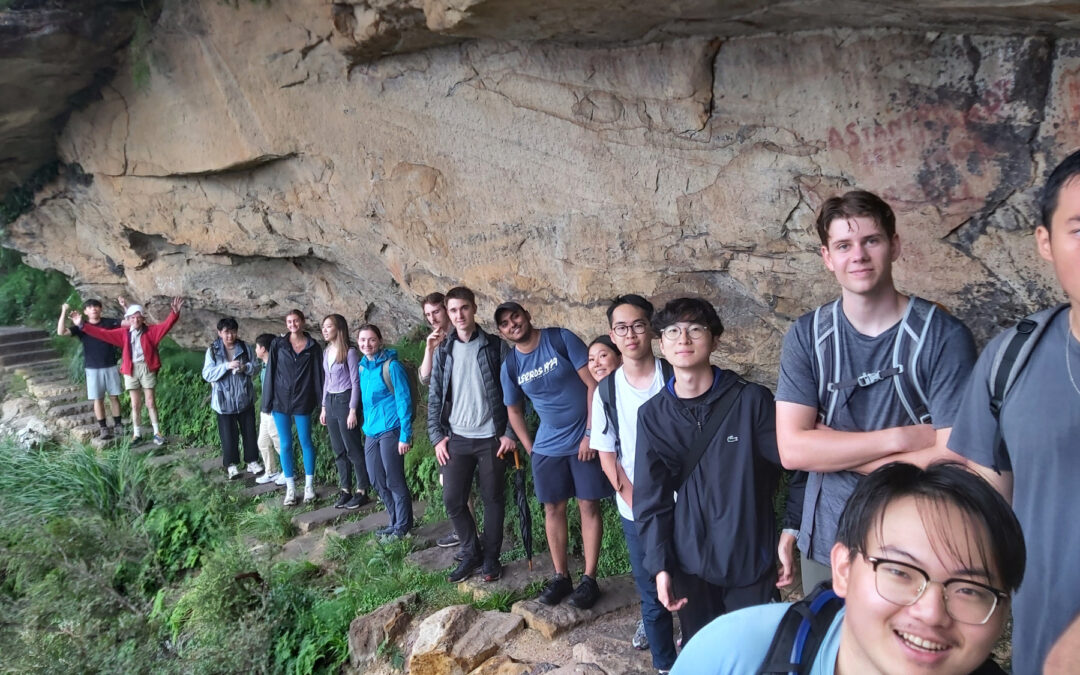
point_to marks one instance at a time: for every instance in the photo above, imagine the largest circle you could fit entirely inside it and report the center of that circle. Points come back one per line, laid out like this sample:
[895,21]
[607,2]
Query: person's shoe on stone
[309,494]
[557,588]
[290,496]
[641,640]
[383,531]
[586,594]
[492,571]
[448,541]
[104,433]
[159,439]
[344,496]
[459,556]
[357,500]
[465,569]
[232,471]
[280,479]
[254,467]
[268,477]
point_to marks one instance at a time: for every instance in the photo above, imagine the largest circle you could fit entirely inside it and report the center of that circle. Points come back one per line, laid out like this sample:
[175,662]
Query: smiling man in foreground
[924,562]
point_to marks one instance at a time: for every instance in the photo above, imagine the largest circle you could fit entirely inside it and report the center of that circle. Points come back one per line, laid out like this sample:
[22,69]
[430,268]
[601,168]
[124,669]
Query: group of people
[926,479]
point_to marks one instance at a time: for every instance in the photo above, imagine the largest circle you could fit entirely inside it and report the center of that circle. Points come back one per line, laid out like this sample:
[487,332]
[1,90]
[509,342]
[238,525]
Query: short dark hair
[631,299]
[460,293]
[265,340]
[227,322]
[92,303]
[692,310]
[1064,172]
[855,204]
[435,298]
[942,484]
[371,327]
[606,341]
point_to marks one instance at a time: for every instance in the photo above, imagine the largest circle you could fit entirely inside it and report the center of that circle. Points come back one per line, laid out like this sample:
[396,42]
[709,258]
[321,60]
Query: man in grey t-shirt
[1040,460]
[843,406]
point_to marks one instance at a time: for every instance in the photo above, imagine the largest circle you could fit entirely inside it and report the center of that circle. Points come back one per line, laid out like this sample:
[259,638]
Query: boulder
[613,656]
[458,639]
[368,633]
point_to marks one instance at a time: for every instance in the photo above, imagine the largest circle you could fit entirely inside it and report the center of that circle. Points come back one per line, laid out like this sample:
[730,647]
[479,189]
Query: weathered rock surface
[266,167]
[550,621]
[611,656]
[457,639]
[383,626]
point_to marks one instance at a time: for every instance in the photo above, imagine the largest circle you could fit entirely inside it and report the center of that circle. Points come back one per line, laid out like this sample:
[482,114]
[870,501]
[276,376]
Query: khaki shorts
[142,378]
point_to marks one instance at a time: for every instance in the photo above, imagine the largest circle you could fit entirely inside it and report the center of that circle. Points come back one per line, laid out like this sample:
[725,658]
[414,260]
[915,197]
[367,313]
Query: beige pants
[269,445]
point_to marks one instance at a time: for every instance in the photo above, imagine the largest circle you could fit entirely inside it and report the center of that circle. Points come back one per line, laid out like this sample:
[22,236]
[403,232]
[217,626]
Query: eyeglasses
[673,333]
[903,584]
[622,329]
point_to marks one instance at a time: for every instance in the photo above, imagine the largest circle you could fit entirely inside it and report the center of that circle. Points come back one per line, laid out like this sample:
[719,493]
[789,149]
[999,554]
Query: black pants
[348,444]
[469,456]
[230,429]
[707,601]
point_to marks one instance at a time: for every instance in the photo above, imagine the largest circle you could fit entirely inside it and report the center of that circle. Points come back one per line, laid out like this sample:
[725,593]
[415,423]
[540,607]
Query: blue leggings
[283,422]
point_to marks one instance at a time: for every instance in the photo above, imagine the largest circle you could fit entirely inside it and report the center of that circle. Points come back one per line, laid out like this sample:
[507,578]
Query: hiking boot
[309,494]
[586,594]
[104,433]
[464,570]
[641,640]
[357,500]
[159,439]
[344,496]
[254,467]
[557,588]
[290,497]
[267,477]
[232,471]
[492,571]
[448,541]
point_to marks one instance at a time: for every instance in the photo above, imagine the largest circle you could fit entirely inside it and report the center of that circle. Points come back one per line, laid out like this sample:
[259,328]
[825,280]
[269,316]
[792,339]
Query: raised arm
[808,446]
[61,323]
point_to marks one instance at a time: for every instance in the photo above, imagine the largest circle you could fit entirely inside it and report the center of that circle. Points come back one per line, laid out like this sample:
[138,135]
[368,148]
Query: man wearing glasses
[925,562]
[708,436]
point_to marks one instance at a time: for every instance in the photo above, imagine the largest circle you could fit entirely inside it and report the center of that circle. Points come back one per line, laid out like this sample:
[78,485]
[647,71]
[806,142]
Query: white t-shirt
[627,401]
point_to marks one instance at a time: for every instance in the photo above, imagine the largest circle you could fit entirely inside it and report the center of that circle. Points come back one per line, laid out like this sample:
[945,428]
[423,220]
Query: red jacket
[152,335]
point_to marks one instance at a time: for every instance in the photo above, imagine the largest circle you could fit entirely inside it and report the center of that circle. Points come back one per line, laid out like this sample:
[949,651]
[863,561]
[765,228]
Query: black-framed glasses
[694,331]
[638,327]
[965,600]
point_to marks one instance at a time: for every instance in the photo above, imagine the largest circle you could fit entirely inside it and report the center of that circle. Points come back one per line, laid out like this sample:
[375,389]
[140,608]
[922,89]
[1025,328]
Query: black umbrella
[524,515]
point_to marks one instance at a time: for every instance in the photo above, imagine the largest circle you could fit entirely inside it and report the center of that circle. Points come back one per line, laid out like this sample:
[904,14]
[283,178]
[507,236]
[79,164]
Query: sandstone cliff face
[267,166]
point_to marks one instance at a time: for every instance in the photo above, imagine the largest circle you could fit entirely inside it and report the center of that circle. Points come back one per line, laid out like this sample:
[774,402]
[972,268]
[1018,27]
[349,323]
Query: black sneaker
[448,541]
[586,594]
[383,531]
[557,588]
[492,571]
[344,496]
[464,570]
[357,500]
[459,556]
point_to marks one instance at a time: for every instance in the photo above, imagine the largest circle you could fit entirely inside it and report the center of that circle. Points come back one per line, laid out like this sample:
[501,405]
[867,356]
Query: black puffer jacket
[489,359]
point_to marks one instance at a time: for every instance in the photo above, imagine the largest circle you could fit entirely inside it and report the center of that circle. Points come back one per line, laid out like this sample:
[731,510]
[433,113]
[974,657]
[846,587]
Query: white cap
[133,309]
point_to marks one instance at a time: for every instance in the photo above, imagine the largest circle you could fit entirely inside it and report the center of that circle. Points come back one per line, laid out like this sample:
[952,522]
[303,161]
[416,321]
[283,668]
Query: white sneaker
[267,477]
[233,472]
[254,467]
[309,495]
[290,497]
[280,478]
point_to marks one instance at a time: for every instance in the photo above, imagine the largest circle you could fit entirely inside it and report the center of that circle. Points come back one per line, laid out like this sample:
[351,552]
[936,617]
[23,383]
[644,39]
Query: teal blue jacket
[384,410]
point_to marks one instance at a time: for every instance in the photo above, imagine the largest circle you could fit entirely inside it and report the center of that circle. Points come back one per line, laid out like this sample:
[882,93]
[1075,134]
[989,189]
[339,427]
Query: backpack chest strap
[866,379]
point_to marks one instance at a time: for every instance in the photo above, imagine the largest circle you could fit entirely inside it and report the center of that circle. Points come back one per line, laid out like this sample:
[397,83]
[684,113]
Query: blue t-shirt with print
[549,378]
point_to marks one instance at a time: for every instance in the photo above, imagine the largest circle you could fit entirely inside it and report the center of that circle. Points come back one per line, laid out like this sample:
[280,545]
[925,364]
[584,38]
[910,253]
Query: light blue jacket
[383,410]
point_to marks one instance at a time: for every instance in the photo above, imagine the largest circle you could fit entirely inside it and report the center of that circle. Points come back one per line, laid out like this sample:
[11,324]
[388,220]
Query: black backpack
[607,399]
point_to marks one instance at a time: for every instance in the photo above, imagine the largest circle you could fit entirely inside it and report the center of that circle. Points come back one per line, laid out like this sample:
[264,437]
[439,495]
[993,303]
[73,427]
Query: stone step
[70,396]
[326,515]
[87,433]
[311,545]
[31,345]
[68,409]
[616,593]
[42,389]
[431,558]
[51,372]
[161,460]
[259,489]
[74,420]
[10,334]
[29,356]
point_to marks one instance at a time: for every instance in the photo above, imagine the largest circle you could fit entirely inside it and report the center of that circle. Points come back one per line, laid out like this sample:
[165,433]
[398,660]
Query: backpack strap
[910,338]
[827,350]
[801,631]
[1010,359]
[606,387]
[706,433]
[386,376]
[511,363]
